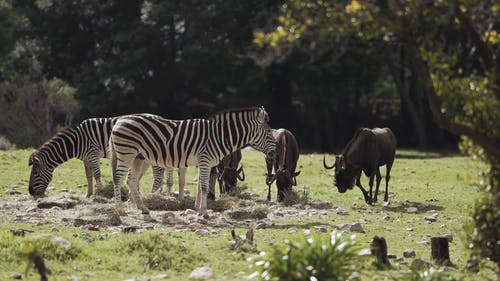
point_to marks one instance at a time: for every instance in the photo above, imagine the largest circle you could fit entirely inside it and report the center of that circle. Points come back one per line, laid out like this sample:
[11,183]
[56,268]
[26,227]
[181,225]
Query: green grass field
[434,183]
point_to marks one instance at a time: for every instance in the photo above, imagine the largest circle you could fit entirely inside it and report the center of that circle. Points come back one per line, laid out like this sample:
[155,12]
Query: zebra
[88,142]
[182,143]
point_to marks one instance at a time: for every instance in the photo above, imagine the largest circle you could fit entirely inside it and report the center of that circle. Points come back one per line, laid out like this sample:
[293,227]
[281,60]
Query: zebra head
[41,174]
[263,139]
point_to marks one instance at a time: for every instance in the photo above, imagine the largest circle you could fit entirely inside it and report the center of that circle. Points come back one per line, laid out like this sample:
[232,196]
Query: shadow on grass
[421,207]
[427,154]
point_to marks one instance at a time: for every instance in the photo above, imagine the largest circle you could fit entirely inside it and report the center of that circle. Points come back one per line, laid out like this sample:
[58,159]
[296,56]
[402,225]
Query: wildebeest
[284,163]
[366,151]
[227,174]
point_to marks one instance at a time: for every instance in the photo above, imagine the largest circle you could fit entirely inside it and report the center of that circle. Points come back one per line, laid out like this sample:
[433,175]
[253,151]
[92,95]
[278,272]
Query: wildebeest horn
[294,179]
[326,166]
[242,176]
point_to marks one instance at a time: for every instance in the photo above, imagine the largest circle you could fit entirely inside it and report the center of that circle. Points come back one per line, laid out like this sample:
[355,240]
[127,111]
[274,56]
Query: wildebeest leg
[378,178]
[368,199]
[387,178]
[211,184]
[88,174]
[269,193]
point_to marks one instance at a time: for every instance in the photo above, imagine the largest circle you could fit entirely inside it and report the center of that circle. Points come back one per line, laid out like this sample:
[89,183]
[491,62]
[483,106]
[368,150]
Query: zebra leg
[88,174]
[181,172]
[95,166]
[119,170]
[203,181]
[170,179]
[158,179]
[133,180]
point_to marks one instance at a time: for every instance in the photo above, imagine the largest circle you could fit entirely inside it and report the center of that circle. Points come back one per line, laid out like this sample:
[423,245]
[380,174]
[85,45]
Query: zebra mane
[58,135]
[237,110]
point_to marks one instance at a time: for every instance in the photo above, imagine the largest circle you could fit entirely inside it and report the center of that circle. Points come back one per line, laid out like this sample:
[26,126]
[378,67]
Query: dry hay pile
[257,212]
[107,191]
[293,198]
[160,202]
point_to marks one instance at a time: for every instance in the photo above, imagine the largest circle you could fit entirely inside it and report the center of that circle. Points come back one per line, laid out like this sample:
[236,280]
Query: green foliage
[157,251]
[5,144]
[309,257]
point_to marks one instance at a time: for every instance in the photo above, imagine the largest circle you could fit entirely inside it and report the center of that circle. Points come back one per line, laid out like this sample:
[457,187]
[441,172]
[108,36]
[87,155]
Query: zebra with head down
[182,143]
[89,141]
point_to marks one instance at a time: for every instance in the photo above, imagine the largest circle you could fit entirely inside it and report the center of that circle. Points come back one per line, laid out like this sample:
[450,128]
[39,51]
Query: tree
[452,50]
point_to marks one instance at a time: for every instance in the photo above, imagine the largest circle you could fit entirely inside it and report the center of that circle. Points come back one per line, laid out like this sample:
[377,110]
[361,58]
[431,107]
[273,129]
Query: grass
[430,181]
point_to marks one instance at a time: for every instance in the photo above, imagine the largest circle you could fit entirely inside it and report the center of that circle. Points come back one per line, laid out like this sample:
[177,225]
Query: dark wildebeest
[284,164]
[227,174]
[366,151]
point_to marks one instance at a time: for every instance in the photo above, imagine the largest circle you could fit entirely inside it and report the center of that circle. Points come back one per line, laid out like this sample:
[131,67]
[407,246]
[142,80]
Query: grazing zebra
[182,143]
[88,142]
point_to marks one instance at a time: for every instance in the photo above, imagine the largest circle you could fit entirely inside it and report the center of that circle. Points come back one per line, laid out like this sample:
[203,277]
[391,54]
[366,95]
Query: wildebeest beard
[344,179]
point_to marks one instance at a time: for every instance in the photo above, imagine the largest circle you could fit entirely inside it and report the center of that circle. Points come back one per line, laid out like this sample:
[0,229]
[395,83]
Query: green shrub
[159,252]
[309,257]
[5,144]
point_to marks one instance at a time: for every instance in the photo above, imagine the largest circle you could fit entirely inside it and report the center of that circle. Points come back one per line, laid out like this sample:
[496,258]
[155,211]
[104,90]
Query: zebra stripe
[183,143]
[89,141]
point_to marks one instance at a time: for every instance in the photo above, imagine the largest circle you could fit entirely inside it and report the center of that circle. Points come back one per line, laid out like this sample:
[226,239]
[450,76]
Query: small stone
[16,276]
[392,256]
[320,228]
[292,230]
[159,277]
[342,212]
[412,210]
[409,253]
[409,228]
[424,243]
[420,264]
[201,273]
[260,225]
[307,232]
[449,237]
[202,232]
[386,218]
[431,218]
[356,227]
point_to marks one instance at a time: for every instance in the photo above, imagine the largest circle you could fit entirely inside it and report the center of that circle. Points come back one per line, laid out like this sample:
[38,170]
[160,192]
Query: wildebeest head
[229,177]
[41,175]
[284,181]
[345,174]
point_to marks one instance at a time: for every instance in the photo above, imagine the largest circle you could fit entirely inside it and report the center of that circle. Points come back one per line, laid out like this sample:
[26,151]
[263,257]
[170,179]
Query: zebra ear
[262,117]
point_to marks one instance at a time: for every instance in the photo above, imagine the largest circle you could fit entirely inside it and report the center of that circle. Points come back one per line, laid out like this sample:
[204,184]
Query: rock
[201,273]
[409,253]
[159,277]
[100,220]
[420,264]
[412,210]
[386,218]
[260,225]
[409,228]
[320,228]
[63,203]
[342,212]
[190,212]
[356,227]
[292,230]
[202,232]
[392,256]
[449,237]
[12,192]
[56,239]
[431,218]
[16,276]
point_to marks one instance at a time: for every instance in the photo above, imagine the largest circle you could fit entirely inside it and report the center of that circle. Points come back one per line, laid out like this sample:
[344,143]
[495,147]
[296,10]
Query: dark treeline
[70,60]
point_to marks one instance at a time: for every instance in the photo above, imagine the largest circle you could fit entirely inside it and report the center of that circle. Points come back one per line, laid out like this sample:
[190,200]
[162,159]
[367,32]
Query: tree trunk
[281,96]
[379,250]
[440,251]
[416,119]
